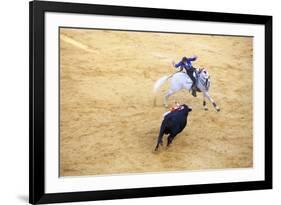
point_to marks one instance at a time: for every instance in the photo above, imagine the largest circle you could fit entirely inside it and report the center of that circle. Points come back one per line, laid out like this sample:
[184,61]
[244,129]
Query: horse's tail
[159,83]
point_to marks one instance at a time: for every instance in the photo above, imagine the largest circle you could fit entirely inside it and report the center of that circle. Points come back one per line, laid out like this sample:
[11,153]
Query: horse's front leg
[212,101]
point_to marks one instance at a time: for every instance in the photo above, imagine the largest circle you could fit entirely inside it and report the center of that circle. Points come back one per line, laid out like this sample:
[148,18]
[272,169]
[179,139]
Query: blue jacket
[187,65]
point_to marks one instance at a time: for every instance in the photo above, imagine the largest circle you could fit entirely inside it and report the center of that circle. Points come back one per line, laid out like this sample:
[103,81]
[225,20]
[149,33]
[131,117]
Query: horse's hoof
[218,110]
[206,109]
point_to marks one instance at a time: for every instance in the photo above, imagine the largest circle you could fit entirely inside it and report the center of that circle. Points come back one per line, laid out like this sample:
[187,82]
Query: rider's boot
[193,88]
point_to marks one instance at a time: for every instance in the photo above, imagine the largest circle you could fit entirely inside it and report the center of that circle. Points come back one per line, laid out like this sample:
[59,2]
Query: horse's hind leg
[166,96]
[204,103]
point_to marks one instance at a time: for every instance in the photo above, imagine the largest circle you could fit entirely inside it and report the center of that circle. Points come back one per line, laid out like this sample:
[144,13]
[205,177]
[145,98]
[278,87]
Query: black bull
[172,124]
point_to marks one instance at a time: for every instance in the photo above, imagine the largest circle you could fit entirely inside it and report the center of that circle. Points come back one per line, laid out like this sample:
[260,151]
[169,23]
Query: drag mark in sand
[77,44]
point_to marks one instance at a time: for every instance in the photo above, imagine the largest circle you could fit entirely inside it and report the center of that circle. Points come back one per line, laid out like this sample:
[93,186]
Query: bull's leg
[170,139]
[212,101]
[204,103]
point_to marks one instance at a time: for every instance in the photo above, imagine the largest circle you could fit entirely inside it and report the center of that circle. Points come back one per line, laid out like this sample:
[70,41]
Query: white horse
[180,80]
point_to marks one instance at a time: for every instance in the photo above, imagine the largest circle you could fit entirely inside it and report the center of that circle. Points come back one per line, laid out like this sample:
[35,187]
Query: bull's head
[186,109]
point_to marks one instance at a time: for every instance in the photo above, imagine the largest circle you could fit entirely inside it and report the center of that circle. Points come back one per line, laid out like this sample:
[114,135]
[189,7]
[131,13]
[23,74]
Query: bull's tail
[160,136]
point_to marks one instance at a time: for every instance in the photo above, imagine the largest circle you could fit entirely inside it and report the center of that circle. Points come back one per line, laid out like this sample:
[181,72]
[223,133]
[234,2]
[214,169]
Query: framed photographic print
[140,102]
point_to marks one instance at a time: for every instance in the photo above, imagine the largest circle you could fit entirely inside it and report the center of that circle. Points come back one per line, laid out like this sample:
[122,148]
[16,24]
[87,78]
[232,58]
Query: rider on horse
[186,63]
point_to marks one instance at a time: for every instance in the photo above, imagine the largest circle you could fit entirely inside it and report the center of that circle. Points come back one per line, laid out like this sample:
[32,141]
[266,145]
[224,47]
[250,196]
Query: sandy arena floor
[107,120]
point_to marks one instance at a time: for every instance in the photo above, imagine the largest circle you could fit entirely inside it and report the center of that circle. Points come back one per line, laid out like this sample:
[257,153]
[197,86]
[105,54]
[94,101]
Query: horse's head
[204,78]
[204,74]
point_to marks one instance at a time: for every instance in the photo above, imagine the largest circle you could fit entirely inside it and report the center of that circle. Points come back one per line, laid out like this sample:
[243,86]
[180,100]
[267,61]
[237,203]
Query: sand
[108,124]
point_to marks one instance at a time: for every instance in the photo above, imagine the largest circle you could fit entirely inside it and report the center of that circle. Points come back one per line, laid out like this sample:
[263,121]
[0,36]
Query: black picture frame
[37,194]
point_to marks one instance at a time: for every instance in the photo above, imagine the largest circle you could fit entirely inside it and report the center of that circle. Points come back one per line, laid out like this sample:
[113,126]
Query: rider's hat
[184,58]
